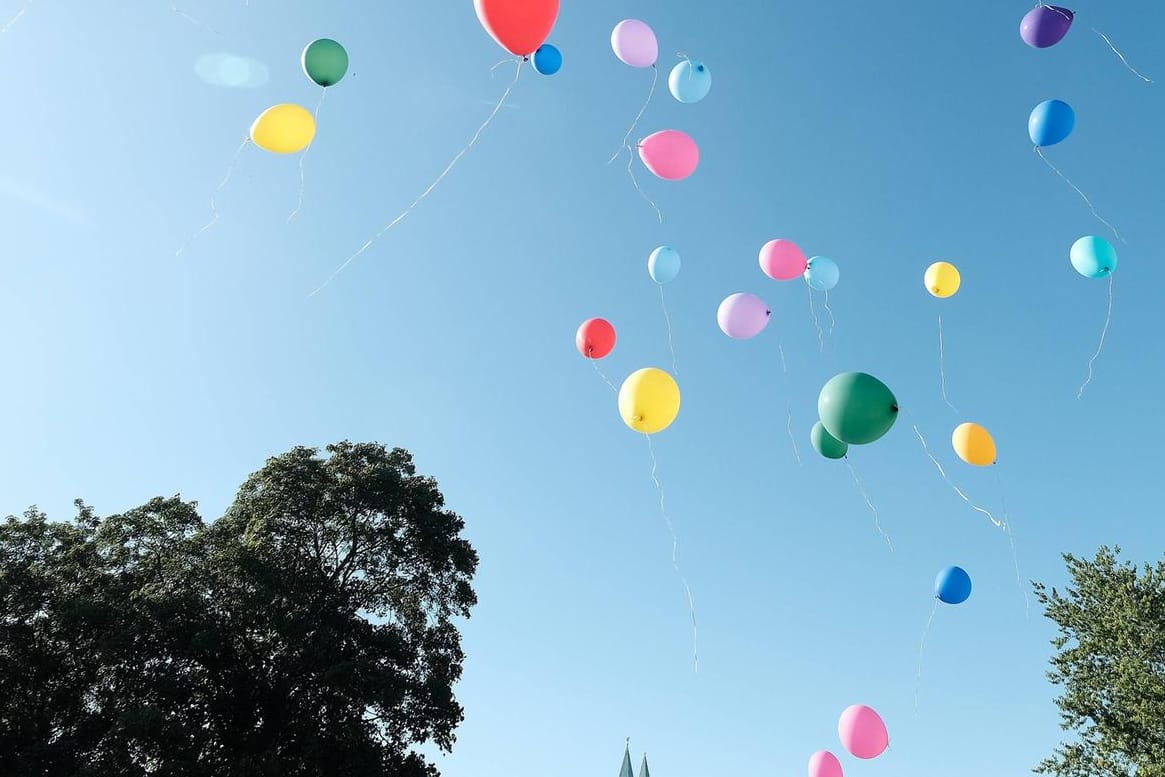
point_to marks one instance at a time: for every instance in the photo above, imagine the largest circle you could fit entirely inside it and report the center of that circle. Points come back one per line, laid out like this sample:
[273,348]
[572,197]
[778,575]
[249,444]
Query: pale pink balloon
[862,731]
[782,260]
[824,764]
[670,154]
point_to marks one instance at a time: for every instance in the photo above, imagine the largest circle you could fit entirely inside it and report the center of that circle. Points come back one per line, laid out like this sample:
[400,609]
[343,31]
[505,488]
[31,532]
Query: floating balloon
[822,273]
[1045,25]
[324,61]
[663,265]
[942,279]
[1093,257]
[284,129]
[742,315]
[952,585]
[547,60]
[973,444]
[689,82]
[862,732]
[1050,122]
[824,764]
[595,338]
[634,43]
[649,400]
[670,154]
[782,260]
[826,444]
[856,408]
[518,26]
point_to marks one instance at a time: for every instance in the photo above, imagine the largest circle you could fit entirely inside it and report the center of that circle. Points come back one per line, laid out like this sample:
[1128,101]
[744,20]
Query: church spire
[643,771]
[625,771]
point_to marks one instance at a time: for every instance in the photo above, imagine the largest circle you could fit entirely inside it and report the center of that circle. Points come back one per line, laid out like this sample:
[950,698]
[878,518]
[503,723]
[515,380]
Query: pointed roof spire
[643,770]
[625,770]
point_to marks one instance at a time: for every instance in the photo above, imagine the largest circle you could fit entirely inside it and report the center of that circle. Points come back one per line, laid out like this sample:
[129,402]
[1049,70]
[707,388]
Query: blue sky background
[885,136]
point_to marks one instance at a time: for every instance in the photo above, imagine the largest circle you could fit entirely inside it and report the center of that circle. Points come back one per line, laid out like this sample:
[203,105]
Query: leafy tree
[1110,662]
[309,631]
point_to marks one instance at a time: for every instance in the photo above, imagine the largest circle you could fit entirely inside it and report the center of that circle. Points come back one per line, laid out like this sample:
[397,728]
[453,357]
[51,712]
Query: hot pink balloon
[782,260]
[670,154]
[634,43]
[824,764]
[742,315]
[862,731]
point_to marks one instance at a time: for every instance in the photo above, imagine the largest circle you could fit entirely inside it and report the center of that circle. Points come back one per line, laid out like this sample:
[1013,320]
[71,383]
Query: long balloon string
[1083,196]
[1100,346]
[213,207]
[603,375]
[862,490]
[999,524]
[472,142]
[174,7]
[921,646]
[829,310]
[1124,61]
[788,406]
[816,321]
[942,370]
[315,116]
[634,124]
[16,18]
[1011,539]
[635,183]
[670,344]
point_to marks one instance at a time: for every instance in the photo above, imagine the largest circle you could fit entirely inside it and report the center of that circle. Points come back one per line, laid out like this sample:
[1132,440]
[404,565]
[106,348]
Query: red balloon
[519,26]
[595,338]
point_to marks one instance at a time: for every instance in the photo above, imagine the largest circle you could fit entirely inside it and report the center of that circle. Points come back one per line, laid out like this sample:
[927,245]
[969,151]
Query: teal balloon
[325,61]
[856,408]
[663,265]
[1093,257]
[689,82]
[822,274]
[826,444]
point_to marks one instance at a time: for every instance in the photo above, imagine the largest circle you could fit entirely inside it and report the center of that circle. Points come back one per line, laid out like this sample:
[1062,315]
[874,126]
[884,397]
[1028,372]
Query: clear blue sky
[885,136]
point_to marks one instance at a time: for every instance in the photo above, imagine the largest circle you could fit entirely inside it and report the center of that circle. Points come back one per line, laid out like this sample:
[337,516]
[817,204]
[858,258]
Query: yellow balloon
[649,400]
[284,129]
[942,279]
[973,444]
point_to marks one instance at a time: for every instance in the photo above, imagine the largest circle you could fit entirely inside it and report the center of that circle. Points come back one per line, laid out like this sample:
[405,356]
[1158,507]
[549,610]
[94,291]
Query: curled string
[1100,346]
[603,375]
[634,124]
[1083,196]
[869,504]
[829,310]
[16,18]
[788,406]
[921,645]
[675,550]
[816,321]
[174,7]
[213,208]
[942,370]
[1124,61]
[784,366]
[667,319]
[635,183]
[472,142]
[1011,538]
[959,491]
[315,116]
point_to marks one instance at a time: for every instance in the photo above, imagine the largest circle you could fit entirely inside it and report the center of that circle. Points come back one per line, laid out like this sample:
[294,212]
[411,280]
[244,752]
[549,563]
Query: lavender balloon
[634,43]
[742,315]
[1045,25]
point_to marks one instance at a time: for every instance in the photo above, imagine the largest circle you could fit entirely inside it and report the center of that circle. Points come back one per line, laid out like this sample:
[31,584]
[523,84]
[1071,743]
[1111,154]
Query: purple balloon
[1045,25]
[633,42]
[742,315]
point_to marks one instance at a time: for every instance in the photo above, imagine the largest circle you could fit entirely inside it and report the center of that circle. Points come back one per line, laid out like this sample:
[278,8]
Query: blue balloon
[1050,122]
[822,273]
[547,60]
[1093,257]
[953,585]
[690,81]
[663,265]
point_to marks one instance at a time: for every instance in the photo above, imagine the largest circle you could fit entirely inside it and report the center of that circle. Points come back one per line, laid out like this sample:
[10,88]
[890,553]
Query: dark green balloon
[826,444]
[325,61]
[856,408]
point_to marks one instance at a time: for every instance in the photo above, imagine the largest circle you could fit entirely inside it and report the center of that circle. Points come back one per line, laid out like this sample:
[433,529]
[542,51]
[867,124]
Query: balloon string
[1011,539]
[1083,196]
[942,370]
[213,207]
[869,504]
[921,646]
[1100,346]
[829,310]
[1124,61]
[634,124]
[603,375]
[670,344]
[174,7]
[498,64]
[635,183]
[675,549]
[315,116]
[16,18]
[789,429]
[472,142]
[958,490]
[784,366]
[816,321]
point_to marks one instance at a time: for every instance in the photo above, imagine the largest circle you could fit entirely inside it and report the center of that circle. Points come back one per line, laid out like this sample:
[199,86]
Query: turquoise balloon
[1093,257]
[690,81]
[826,444]
[663,265]
[822,274]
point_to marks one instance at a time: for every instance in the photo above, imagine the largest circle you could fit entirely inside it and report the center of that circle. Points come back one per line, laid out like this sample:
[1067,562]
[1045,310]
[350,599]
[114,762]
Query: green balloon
[325,61]
[856,408]
[826,444]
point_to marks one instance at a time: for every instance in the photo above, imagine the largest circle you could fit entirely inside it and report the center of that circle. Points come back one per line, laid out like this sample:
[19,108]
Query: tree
[309,631]
[1110,661]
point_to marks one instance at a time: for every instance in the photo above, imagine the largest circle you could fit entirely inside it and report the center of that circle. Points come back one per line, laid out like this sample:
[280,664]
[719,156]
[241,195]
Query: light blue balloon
[690,81]
[1050,122]
[1093,257]
[822,274]
[663,265]
[547,60]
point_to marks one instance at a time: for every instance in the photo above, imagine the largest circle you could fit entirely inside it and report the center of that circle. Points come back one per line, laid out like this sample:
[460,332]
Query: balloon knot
[894,408]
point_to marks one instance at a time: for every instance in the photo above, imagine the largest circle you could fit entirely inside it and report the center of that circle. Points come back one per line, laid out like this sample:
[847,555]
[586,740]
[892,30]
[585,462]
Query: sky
[885,136]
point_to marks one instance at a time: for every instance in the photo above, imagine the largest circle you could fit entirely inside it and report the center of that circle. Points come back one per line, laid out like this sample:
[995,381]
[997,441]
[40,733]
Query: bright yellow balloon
[942,279]
[649,400]
[973,444]
[284,129]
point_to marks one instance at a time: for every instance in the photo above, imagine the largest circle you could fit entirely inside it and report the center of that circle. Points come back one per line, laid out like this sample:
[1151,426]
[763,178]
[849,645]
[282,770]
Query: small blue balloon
[1093,257]
[663,265]
[547,60]
[690,81]
[1050,122]
[822,274]
[953,585]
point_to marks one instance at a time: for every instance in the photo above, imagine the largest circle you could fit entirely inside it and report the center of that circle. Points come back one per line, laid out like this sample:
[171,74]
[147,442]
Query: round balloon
[782,260]
[952,585]
[670,154]
[942,279]
[1093,257]
[1045,25]
[822,273]
[824,764]
[634,43]
[518,26]
[649,400]
[856,408]
[663,265]
[689,82]
[973,444]
[547,60]
[595,338]
[284,129]
[742,315]
[324,61]
[826,444]
[862,731]
[1050,122]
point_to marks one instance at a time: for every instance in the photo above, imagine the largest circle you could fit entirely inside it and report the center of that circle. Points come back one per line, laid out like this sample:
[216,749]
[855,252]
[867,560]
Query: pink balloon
[634,43]
[742,315]
[670,154]
[862,731]
[782,260]
[824,764]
